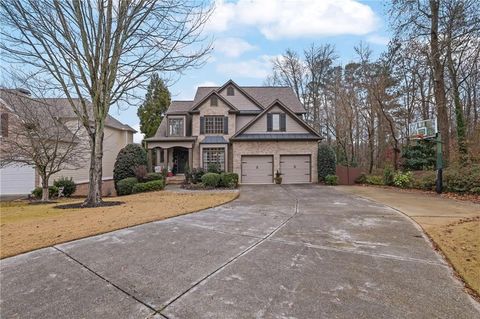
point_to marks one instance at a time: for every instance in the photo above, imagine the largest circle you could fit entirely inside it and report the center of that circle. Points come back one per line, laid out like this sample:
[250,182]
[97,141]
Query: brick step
[178,179]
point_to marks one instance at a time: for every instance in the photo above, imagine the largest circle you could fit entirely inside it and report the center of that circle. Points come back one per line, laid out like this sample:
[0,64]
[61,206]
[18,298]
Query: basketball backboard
[423,129]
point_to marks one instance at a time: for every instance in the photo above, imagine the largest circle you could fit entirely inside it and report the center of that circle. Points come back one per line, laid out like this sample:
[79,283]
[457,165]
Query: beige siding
[239,100]
[206,109]
[243,120]
[276,149]
[260,126]
[113,142]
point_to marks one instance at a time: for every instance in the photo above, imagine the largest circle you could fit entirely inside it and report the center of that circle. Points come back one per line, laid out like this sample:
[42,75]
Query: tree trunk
[45,194]
[439,81]
[94,197]
[461,132]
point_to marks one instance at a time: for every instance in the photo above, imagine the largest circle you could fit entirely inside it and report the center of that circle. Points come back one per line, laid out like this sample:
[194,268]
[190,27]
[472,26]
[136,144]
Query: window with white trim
[214,155]
[214,124]
[175,127]
[276,122]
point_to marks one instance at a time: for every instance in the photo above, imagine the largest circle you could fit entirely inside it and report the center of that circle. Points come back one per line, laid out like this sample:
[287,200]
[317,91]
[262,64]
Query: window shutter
[202,125]
[225,125]
[283,122]
[269,122]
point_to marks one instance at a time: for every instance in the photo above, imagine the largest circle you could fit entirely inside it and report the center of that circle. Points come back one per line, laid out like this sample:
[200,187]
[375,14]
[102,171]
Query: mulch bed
[80,205]
[39,202]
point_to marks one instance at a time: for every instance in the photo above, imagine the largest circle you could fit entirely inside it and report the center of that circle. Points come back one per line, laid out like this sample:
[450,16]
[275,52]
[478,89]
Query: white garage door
[17,180]
[295,169]
[257,169]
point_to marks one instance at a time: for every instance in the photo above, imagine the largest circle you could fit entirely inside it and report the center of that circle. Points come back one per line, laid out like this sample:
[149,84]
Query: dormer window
[230,91]
[175,127]
[214,101]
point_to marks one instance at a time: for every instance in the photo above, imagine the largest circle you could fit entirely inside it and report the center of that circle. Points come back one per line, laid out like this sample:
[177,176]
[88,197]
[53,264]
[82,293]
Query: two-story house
[250,130]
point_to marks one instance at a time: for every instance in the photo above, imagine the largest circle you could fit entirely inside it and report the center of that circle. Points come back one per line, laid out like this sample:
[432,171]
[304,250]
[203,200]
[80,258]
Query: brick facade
[276,149]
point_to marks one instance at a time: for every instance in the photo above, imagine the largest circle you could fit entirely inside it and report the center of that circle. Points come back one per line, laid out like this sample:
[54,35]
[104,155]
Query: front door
[180,160]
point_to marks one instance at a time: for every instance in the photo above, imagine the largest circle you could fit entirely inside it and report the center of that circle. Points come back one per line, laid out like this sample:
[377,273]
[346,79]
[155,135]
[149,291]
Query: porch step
[177,179]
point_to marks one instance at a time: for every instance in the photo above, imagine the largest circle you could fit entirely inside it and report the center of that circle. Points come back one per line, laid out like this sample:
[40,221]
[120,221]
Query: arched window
[214,101]
[230,91]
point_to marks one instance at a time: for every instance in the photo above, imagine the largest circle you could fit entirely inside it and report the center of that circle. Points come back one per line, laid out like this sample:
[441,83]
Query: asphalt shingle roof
[265,95]
[277,137]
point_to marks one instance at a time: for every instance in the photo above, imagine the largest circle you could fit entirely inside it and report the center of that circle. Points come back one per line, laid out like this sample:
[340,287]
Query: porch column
[190,158]
[165,157]
[157,150]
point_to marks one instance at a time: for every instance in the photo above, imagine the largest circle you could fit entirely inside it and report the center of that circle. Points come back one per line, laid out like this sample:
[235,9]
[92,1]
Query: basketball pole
[439,181]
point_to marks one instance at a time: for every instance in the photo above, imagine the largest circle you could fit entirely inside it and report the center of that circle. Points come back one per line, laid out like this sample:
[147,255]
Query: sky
[247,34]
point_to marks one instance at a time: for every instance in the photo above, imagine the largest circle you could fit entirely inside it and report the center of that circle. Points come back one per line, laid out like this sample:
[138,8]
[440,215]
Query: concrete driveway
[277,252]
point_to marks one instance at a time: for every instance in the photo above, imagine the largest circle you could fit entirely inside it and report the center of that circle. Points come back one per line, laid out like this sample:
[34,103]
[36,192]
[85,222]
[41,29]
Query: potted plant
[278,177]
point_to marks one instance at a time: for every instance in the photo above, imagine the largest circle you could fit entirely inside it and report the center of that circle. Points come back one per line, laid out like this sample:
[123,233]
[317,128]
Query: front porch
[176,156]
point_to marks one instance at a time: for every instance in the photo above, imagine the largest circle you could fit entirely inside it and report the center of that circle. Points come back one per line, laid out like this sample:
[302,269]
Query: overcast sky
[247,34]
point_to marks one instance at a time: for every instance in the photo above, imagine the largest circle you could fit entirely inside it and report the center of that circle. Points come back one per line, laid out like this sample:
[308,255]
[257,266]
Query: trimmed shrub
[326,161]
[388,175]
[229,180]
[141,173]
[214,168]
[211,179]
[125,186]
[196,175]
[374,180]
[403,180]
[68,185]
[129,158]
[331,180]
[462,179]
[153,177]
[425,181]
[38,192]
[151,186]
[361,179]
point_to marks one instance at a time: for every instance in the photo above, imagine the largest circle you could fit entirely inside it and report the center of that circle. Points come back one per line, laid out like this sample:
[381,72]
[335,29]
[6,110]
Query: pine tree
[153,109]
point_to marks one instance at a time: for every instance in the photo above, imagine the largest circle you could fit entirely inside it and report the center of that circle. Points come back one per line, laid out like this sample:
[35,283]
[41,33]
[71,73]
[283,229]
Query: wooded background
[430,70]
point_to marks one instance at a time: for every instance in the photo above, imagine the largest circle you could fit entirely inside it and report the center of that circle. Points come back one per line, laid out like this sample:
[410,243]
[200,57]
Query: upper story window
[230,91]
[214,124]
[175,127]
[214,101]
[4,125]
[276,122]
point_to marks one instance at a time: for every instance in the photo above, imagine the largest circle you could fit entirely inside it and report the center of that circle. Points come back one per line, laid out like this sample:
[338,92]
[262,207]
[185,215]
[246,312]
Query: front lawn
[26,227]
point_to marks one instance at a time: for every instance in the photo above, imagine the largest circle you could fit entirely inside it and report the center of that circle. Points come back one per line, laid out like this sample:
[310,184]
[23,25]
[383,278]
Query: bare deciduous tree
[101,52]
[36,136]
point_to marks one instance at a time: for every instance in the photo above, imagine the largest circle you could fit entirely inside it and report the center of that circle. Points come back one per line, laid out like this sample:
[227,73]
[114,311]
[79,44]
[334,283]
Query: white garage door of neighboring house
[17,180]
[257,169]
[295,169]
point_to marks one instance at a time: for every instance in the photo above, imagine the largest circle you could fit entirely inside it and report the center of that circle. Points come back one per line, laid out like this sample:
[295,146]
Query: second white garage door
[295,169]
[257,169]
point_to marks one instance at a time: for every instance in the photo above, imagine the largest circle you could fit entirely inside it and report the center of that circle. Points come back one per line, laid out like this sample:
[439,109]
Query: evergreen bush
[128,159]
[326,161]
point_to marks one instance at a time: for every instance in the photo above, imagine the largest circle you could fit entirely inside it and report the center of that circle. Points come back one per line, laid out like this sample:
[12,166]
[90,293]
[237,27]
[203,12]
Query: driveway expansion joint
[233,259]
[106,280]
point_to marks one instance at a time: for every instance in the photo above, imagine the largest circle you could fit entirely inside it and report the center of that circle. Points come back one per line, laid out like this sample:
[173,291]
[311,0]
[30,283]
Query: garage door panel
[257,169]
[295,168]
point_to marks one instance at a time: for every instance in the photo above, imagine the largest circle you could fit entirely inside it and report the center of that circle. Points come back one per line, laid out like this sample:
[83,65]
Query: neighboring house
[250,130]
[21,180]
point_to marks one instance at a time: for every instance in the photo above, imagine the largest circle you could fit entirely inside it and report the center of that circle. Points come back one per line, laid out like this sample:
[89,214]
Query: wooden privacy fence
[347,175]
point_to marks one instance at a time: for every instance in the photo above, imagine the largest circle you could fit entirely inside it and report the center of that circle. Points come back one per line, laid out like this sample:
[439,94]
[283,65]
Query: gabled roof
[286,110]
[179,107]
[264,95]
[218,95]
[239,88]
